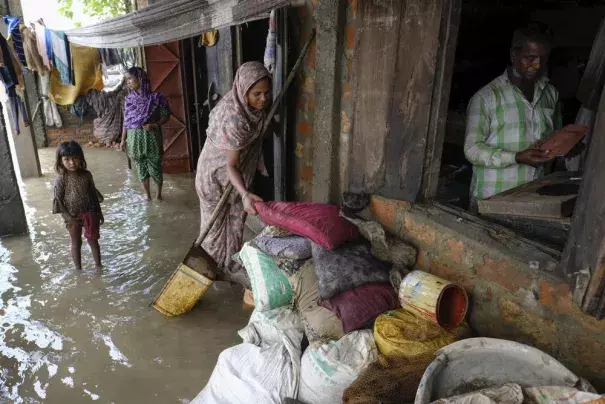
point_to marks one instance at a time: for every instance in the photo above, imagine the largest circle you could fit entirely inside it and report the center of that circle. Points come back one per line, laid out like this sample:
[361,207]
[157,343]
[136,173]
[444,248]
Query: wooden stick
[280,96]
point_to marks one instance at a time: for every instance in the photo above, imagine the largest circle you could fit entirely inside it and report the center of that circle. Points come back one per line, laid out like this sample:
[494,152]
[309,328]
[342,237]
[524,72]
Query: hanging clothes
[7,60]
[16,104]
[269,58]
[52,117]
[41,44]
[15,35]
[108,107]
[32,56]
[61,56]
[79,107]
[88,76]
[110,57]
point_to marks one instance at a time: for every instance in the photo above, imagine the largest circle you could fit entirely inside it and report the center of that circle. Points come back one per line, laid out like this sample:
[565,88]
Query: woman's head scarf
[141,107]
[234,125]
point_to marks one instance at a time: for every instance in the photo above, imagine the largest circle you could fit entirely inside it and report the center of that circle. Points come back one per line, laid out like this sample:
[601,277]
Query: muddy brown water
[77,337]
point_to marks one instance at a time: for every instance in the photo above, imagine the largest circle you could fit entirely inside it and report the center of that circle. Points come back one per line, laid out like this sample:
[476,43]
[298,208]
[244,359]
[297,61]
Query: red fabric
[318,222]
[357,307]
[91,224]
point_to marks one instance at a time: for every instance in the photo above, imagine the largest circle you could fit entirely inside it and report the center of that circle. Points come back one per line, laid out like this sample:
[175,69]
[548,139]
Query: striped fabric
[501,122]
[15,35]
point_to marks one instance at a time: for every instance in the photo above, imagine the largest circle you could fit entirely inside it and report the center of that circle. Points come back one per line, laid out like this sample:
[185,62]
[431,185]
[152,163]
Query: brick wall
[306,100]
[509,299]
[73,129]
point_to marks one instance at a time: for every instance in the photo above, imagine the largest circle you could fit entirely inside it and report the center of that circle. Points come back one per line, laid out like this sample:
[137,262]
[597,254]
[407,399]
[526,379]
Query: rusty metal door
[163,67]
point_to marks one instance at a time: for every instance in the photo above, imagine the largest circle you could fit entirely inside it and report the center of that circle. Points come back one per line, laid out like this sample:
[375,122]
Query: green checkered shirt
[500,122]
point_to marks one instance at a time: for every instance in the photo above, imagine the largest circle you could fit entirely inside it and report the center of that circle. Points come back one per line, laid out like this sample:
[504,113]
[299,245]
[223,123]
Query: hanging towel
[32,56]
[110,57]
[41,42]
[88,75]
[52,117]
[61,56]
[15,36]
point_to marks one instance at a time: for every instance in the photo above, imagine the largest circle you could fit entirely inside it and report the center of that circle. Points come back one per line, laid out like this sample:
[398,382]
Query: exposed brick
[311,106]
[452,274]
[557,297]
[311,59]
[300,150]
[307,174]
[455,250]
[304,128]
[425,234]
[345,122]
[350,36]
[353,6]
[309,85]
[535,330]
[346,91]
[385,211]
[503,274]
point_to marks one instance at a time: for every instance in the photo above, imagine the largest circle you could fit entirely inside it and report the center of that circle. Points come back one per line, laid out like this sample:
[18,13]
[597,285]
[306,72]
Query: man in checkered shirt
[508,117]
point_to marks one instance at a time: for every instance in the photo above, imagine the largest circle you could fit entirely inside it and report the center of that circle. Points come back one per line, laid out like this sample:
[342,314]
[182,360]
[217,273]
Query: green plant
[97,8]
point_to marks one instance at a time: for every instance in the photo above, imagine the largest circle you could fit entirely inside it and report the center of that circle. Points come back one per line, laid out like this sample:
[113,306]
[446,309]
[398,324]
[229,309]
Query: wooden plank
[448,38]
[583,258]
[411,107]
[524,200]
[400,101]
[375,60]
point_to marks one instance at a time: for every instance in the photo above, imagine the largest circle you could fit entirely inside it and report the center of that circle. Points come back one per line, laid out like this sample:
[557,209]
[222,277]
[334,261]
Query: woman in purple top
[144,114]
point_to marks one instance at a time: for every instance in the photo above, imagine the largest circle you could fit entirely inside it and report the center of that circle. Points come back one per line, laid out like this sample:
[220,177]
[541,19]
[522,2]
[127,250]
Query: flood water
[77,337]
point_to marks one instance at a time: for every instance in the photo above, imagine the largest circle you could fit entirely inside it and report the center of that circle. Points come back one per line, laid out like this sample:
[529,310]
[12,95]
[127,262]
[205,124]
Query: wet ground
[76,337]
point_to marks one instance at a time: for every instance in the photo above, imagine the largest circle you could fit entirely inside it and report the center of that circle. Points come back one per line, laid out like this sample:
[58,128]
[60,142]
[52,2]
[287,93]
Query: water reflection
[68,336]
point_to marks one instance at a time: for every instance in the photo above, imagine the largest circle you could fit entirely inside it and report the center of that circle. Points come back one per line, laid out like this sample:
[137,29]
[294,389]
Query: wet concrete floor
[77,337]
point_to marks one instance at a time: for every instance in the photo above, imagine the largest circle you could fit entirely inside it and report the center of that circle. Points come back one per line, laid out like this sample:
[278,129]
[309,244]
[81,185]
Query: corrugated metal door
[163,67]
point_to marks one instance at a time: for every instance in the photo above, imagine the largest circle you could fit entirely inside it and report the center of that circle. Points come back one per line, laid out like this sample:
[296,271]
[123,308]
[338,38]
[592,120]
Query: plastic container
[477,363]
[436,300]
[187,284]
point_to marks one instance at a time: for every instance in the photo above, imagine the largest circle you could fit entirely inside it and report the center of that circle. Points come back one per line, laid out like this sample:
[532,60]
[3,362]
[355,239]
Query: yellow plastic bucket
[439,301]
[187,284]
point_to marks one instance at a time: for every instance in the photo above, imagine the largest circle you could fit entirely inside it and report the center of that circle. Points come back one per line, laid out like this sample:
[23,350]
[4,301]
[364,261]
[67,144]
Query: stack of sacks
[312,260]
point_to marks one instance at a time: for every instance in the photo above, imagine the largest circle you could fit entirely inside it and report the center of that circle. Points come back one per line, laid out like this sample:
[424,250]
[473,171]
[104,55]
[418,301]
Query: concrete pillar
[330,28]
[25,144]
[12,214]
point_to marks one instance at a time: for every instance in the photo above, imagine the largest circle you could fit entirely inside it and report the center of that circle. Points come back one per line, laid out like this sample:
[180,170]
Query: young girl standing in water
[78,201]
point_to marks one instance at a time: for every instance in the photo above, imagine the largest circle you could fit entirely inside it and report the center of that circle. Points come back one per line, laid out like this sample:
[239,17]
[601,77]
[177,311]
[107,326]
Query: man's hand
[533,157]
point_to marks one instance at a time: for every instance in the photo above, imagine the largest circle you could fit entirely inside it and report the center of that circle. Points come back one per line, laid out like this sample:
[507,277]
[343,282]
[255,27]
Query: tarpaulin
[171,20]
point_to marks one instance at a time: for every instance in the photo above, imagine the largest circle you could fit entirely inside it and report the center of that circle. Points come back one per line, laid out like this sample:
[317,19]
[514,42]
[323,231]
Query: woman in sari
[233,134]
[144,114]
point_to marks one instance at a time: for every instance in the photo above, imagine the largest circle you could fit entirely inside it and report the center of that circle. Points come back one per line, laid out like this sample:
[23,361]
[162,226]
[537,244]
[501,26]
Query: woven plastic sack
[388,381]
[320,323]
[347,267]
[327,370]
[265,368]
[270,286]
[318,222]
[358,307]
[401,333]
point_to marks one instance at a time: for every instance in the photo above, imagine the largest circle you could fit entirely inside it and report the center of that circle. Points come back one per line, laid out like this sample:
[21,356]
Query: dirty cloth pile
[331,274]
[512,393]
